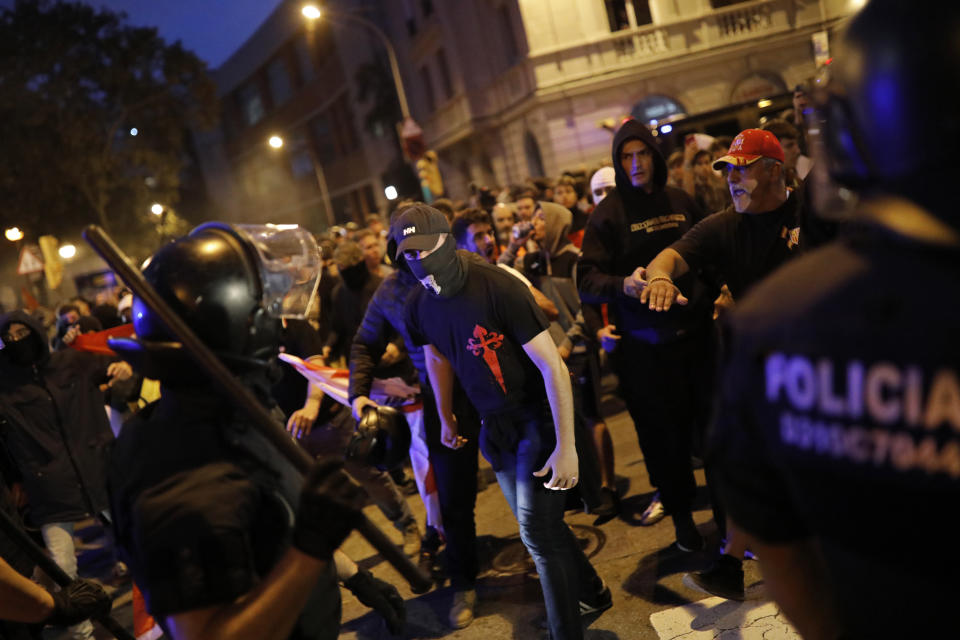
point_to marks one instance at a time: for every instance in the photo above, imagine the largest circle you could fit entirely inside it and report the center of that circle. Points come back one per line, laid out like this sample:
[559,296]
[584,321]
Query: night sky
[213,29]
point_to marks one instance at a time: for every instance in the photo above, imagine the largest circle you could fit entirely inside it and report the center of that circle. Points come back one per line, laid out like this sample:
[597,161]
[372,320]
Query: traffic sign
[30,261]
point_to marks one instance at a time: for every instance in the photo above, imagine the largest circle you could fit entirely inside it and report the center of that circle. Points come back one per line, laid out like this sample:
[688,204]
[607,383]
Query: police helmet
[382,438]
[888,102]
[230,285]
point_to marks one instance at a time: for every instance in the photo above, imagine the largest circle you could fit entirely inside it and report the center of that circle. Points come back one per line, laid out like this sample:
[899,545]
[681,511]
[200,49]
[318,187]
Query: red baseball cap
[749,146]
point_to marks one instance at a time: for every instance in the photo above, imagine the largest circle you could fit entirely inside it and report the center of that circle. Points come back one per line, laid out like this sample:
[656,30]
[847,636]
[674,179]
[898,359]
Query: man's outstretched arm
[556,379]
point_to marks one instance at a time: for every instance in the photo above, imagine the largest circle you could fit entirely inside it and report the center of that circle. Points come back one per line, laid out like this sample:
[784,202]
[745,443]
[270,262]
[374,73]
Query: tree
[74,83]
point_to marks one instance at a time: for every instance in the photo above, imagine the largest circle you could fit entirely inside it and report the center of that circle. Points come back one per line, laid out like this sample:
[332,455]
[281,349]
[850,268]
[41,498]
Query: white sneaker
[654,512]
[461,613]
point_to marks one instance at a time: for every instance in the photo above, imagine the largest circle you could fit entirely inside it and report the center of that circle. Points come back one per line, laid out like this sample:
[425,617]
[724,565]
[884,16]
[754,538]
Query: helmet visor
[289,261]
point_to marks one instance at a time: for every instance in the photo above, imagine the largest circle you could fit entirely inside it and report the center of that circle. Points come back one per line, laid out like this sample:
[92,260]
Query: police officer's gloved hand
[330,504]
[78,601]
[380,596]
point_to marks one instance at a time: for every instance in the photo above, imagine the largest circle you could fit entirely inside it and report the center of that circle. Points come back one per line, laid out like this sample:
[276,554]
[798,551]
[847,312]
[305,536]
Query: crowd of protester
[562,239]
[501,312]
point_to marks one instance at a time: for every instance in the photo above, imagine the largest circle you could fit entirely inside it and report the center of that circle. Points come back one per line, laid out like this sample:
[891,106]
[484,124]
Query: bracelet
[667,278]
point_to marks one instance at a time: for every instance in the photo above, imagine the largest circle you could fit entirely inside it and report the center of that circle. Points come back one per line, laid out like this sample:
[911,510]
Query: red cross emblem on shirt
[485,343]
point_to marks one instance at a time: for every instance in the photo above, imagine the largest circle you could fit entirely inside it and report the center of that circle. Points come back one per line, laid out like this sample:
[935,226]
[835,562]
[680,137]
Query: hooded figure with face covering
[481,324]
[663,360]
[54,429]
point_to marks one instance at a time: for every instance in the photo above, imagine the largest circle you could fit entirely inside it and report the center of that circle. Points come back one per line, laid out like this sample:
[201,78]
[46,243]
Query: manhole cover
[513,557]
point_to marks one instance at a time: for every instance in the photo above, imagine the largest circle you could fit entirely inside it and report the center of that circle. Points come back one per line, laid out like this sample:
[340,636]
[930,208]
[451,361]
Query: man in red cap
[744,242]
[741,244]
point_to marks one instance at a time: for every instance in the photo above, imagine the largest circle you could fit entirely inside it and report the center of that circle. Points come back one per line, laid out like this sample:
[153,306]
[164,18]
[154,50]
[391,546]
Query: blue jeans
[564,570]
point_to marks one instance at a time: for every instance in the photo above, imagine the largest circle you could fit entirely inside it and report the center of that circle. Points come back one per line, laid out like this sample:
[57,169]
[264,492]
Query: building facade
[507,89]
[503,89]
[291,146]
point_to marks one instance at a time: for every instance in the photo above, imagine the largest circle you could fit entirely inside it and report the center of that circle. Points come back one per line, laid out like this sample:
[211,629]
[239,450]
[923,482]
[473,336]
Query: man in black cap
[842,390]
[483,325]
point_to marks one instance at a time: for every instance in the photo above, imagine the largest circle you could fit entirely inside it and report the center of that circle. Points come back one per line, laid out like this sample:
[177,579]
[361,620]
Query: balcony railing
[650,43]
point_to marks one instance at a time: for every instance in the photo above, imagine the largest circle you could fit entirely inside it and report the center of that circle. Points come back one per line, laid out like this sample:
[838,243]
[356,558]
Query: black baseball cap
[418,228]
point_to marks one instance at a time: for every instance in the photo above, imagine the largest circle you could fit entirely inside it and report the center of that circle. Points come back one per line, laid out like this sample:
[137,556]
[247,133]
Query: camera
[522,229]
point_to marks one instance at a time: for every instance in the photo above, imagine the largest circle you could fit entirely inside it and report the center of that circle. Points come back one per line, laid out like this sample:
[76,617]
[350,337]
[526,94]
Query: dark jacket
[202,506]
[382,323]
[627,230]
[347,308]
[53,425]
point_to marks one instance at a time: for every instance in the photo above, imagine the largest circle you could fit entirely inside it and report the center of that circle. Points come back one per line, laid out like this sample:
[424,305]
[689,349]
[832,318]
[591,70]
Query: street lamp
[156,209]
[276,142]
[67,251]
[312,13]
[13,234]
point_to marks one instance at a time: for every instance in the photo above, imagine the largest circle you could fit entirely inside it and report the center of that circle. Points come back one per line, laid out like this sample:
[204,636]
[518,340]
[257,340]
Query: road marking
[721,619]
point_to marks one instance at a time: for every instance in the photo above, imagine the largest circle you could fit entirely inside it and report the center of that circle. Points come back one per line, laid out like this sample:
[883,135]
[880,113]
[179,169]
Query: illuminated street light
[134,131]
[275,141]
[156,209]
[67,251]
[390,192]
[312,13]
[13,234]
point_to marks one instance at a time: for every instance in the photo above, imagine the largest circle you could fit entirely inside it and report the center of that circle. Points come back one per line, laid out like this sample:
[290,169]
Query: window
[278,79]
[345,134]
[304,60]
[323,139]
[719,4]
[641,11]
[618,15]
[428,89]
[251,104]
[509,39]
[445,82]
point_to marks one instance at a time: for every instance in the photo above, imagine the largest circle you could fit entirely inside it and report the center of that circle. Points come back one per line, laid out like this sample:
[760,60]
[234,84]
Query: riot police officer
[203,504]
[838,439]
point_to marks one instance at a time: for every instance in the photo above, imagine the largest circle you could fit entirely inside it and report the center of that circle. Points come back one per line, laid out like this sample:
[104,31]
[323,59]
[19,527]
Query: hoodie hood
[38,337]
[635,130]
[558,220]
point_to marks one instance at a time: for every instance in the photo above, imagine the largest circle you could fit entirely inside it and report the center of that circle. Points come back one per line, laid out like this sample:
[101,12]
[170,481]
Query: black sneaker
[688,538]
[597,603]
[609,506]
[590,608]
[724,579]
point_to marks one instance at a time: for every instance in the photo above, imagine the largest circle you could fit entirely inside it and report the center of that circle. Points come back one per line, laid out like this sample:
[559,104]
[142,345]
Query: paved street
[637,563]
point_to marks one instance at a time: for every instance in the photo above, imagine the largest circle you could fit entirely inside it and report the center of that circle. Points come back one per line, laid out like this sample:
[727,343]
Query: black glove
[330,505]
[380,596]
[78,601]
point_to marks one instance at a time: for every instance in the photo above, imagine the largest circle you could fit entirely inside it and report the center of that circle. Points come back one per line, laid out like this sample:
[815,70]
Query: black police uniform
[840,420]
[204,507]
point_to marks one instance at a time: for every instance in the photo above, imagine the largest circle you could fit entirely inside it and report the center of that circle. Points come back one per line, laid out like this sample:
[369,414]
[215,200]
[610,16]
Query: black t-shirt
[840,419]
[743,248]
[481,331]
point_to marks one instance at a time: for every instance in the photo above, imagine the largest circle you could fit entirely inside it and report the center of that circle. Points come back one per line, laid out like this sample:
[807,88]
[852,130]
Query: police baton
[224,378]
[49,567]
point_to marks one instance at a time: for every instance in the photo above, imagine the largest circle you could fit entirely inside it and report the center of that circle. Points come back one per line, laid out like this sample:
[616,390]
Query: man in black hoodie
[663,361]
[52,424]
